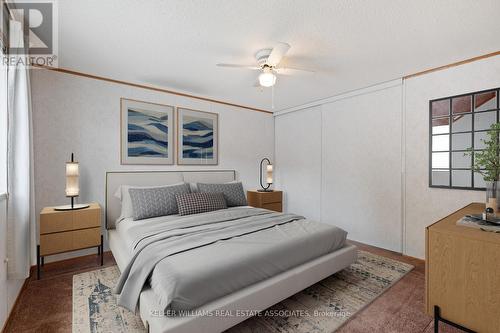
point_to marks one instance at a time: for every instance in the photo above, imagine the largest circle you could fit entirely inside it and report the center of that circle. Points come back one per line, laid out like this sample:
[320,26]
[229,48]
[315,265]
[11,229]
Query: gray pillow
[233,192]
[156,201]
[195,203]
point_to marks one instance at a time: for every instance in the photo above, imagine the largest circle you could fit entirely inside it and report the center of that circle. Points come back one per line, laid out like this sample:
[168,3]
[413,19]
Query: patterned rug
[323,307]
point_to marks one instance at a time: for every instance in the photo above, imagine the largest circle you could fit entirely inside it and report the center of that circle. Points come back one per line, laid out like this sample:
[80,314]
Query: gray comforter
[195,259]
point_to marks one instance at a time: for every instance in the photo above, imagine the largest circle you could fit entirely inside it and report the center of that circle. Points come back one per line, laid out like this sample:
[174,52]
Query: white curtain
[20,205]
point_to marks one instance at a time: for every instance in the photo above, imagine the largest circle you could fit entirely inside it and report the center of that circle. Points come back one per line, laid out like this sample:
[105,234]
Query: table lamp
[269,175]
[72,185]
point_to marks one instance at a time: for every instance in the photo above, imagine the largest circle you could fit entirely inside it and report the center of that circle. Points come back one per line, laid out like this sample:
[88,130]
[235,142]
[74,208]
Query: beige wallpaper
[82,115]
[426,205]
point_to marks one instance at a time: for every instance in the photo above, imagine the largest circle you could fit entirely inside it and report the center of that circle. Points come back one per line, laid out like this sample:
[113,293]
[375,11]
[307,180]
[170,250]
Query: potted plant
[487,163]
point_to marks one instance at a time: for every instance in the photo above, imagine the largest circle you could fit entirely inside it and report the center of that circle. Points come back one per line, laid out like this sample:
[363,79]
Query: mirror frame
[450,151]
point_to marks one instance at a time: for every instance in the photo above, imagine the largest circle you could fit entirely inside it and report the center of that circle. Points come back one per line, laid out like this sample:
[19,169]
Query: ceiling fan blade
[277,54]
[293,70]
[253,67]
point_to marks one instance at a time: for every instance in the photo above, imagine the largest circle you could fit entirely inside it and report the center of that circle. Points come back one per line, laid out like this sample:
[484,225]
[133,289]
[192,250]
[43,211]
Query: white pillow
[123,195]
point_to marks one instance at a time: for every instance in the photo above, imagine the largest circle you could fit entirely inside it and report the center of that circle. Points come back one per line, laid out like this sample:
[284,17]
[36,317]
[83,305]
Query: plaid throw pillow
[195,203]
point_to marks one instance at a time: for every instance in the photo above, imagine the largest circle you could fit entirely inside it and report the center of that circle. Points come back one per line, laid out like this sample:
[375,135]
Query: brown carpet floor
[46,305]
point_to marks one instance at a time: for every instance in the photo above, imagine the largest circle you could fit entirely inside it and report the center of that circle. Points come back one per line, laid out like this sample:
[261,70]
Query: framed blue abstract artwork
[147,133]
[198,134]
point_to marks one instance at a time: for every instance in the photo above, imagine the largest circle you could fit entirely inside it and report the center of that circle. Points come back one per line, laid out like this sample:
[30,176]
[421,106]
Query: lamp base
[75,207]
[267,190]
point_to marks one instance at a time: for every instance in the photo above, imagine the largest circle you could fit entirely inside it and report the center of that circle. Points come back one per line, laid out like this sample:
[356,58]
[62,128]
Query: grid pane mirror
[456,124]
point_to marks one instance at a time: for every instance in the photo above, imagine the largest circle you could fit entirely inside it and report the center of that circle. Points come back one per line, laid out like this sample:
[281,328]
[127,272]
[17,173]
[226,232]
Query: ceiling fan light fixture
[267,79]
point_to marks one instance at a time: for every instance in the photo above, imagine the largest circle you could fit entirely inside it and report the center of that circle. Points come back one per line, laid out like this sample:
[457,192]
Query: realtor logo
[32,35]
[37,27]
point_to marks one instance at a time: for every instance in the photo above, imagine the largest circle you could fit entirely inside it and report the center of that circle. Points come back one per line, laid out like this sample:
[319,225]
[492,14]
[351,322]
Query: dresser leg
[438,318]
[38,262]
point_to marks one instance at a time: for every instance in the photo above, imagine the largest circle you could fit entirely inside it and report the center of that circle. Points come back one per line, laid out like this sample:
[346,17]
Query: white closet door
[361,167]
[298,161]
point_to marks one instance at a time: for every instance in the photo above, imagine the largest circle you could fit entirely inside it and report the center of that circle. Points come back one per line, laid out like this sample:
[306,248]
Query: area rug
[321,308]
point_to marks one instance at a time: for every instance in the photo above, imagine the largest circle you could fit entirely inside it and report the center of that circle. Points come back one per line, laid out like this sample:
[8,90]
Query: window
[459,123]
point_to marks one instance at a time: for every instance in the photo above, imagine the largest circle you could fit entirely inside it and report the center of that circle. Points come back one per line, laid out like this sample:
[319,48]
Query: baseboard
[14,306]
[381,248]
[413,258]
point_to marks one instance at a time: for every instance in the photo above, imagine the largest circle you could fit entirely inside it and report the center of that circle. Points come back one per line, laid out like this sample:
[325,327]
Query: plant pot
[493,195]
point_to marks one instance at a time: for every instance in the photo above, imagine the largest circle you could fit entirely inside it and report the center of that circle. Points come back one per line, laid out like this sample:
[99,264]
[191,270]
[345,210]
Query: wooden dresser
[70,230]
[463,273]
[268,200]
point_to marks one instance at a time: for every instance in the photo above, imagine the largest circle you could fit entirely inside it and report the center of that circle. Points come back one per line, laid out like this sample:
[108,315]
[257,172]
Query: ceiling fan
[269,63]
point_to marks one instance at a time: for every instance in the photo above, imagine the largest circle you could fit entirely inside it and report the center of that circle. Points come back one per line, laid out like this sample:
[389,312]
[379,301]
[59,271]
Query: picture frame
[147,132]
[197,137]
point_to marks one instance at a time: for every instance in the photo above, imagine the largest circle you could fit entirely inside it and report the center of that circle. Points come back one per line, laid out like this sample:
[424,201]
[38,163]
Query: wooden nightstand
[268,200]
[70,230]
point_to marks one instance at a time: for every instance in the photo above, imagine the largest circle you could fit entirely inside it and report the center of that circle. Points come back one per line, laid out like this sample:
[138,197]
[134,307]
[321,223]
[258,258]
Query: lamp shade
[267,79]
[72,183]
[269,174]
[72,186]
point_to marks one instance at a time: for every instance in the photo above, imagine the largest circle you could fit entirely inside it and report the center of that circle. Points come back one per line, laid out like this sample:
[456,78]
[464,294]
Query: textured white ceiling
[352,43]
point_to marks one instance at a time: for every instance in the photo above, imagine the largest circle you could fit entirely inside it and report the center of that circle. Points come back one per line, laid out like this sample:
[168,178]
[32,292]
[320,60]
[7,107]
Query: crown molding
[143,86]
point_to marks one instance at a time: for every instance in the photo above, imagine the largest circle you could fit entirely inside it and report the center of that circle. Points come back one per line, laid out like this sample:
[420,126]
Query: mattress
[127,228]
[189,279]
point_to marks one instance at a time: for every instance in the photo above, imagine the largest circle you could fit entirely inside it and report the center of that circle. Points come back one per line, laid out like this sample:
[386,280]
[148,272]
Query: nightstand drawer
[87,238]
[86,218]
[277,206]
[52,221]
[62,221]
[271,197]
[266,200]
[69,241]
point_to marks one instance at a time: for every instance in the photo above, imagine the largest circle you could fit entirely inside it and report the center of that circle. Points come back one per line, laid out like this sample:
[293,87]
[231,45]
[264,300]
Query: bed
[271,283]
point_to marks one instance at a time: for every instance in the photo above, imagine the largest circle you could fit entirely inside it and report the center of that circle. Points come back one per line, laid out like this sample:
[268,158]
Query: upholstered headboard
[145,178]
